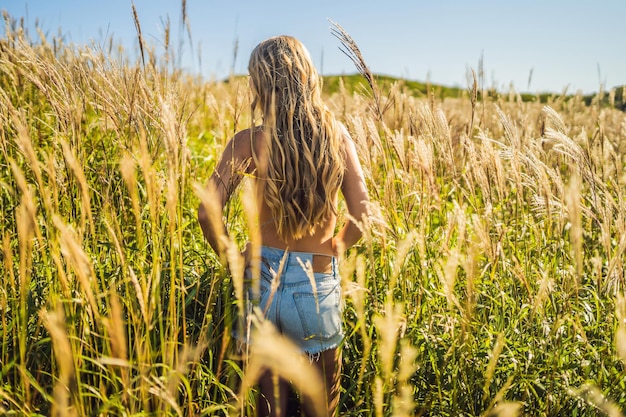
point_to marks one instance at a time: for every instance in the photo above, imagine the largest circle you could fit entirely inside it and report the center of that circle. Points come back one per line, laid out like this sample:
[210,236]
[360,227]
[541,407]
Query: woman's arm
[233,163]
[355,195]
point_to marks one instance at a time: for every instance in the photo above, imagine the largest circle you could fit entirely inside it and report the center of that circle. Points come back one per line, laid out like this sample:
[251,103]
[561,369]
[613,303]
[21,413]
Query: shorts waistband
[320,262]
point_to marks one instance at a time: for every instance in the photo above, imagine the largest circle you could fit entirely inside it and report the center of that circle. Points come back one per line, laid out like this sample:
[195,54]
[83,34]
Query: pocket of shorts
[324,324]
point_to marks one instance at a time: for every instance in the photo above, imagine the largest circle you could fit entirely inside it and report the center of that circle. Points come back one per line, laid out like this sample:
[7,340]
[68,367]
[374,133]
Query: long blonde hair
[305,157]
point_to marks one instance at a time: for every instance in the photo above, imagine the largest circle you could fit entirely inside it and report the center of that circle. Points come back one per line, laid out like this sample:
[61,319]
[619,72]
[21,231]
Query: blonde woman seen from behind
[300,157]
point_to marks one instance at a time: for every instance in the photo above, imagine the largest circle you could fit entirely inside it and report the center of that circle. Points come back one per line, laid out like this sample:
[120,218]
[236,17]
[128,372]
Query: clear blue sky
[565,43]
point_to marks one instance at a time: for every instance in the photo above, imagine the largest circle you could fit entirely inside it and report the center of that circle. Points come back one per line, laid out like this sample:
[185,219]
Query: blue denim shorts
[312,319]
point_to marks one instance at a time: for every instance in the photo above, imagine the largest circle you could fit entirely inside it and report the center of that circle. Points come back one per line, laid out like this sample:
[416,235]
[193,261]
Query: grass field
[490,280]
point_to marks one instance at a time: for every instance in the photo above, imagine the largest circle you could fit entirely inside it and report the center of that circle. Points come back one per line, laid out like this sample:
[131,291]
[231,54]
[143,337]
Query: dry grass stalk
[378,394]
[79,261]
[77,170]
[620,333]
[66,398]
[403,402]
[506,409]
[271,351]
[116,329]
[573,204]
[128,169]
[139,36]
[403,248]
[447,268]
[493,361]
[593,395]
[390,326]
[253,250]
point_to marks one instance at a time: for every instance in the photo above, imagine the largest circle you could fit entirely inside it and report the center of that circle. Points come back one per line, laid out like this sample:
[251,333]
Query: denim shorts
[312,319]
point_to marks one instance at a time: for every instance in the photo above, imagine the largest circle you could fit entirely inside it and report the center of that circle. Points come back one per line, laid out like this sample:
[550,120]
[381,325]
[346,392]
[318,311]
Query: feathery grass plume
[28,205]
[435,129]
[546,287]
[141,290]
[403,403]
[9,289]
[116,329]
[361,281]
[514,149]
[578,158]
[165,401]
[272,351]
[142,296]
[352,51]
[454,239]
[114,324]
[398,145]
[473,93]
[554,120]
[615,280]
[593,395]
[85,213]
[470,265]
[139,35]
[506,409]
[25,145]
[186,22]
[152,182]
[620,332]
[79,261]
[422,159]
[166,42]
[25,235]
[66,397]
[253,250]
[478,176]
[500,407]
[573,197]
[365,134]
[378,394]
[403,248]
[237,266]
[128,169]
[390,327]
[493,362]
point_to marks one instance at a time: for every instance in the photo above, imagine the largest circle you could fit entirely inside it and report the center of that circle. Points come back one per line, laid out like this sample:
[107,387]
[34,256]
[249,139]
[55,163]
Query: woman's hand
[338,247]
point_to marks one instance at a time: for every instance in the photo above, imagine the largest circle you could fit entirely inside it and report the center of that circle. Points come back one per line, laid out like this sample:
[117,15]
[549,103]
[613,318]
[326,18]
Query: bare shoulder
[241,144]
[239,150]
[348,143]
[343,130]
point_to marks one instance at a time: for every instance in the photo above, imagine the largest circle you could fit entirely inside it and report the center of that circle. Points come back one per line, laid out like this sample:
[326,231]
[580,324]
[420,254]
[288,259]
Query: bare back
[319,242]
[237,160]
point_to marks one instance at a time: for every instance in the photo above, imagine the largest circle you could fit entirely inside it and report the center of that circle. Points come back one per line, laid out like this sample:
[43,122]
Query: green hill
[356,83]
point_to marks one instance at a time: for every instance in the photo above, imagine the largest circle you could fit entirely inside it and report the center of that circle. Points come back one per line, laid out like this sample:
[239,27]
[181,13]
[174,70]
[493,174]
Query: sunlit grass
[490,279]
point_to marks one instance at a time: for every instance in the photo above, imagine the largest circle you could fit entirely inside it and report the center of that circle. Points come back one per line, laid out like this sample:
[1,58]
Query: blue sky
[563,43]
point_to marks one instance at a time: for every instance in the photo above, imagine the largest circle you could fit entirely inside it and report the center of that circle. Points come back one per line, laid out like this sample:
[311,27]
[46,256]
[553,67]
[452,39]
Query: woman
[300,157]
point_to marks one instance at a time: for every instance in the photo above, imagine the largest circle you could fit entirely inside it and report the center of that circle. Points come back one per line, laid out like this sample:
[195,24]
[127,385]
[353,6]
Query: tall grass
[490,280]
